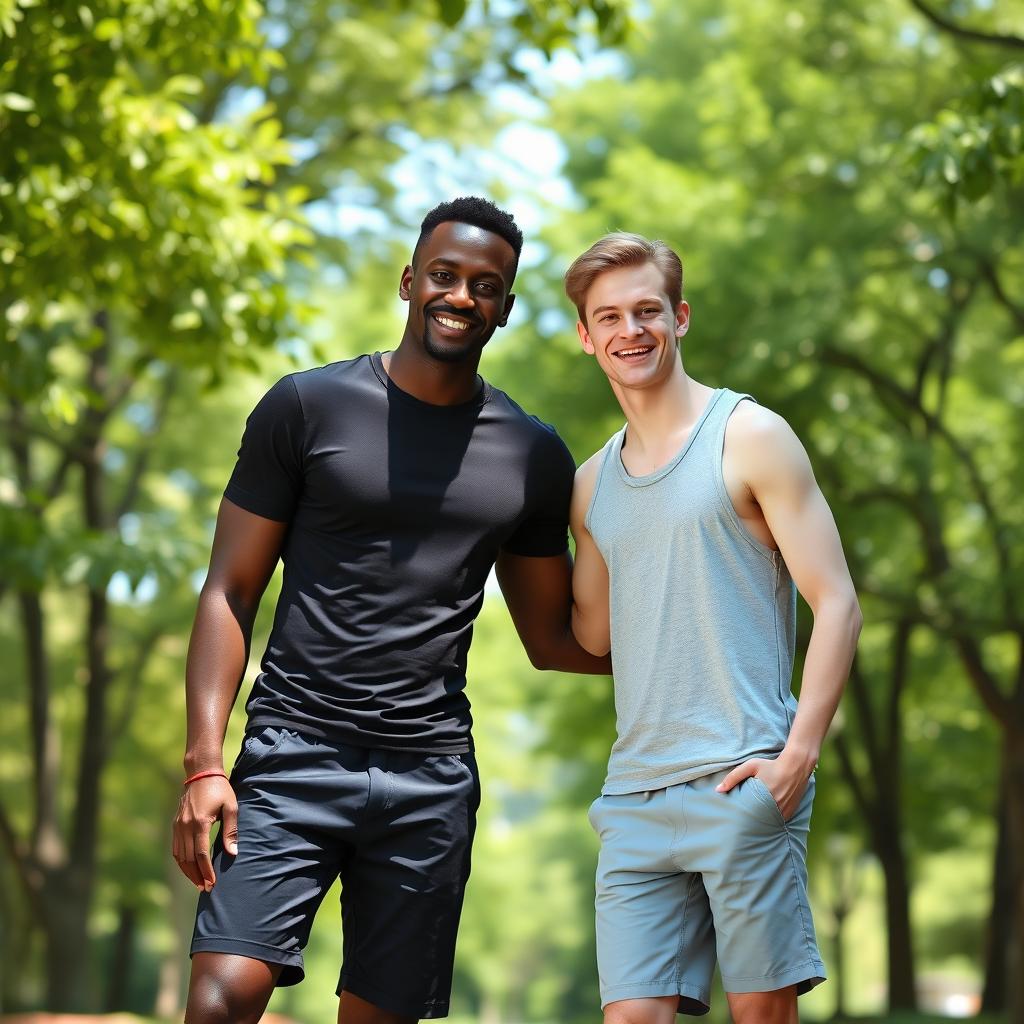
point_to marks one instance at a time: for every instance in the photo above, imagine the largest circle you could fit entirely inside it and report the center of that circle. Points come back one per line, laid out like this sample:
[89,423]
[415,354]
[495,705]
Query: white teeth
[632,351]
[455,325]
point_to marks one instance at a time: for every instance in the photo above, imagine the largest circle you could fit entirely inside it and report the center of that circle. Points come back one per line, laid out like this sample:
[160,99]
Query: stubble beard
[443,354]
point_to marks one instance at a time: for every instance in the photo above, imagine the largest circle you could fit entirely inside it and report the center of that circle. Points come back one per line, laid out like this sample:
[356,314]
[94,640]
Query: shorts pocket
[465,763]
[257,746]
[764,795]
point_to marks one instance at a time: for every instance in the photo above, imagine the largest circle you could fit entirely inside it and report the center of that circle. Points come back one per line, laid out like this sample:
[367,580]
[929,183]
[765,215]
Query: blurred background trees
[196,197]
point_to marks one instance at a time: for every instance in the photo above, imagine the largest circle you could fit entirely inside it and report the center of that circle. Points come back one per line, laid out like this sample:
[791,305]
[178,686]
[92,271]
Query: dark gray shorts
[687,875]
[396,827]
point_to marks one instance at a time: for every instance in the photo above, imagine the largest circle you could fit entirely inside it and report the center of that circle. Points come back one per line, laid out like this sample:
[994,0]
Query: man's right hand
[245,551]
[202,803]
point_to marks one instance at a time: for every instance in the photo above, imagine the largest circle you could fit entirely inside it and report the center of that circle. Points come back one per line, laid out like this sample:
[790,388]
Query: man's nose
[458,294]
[630,327]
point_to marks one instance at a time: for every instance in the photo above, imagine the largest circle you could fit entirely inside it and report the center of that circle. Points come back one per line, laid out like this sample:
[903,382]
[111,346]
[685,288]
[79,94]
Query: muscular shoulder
[586,475]
[322,383]
[762,448]
[539,437]
[583,487]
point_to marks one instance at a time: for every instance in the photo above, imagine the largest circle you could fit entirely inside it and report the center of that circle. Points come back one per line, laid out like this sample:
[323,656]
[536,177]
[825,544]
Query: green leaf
[108,29]
[15,101]
[452,11]
[950,170]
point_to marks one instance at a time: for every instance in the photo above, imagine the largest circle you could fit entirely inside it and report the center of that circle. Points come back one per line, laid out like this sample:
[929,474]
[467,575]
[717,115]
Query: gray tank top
[703,616]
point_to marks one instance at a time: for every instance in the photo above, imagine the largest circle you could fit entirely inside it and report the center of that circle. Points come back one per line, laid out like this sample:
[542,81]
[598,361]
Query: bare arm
[538,592]
[245,551]
[591,620]
[778,474]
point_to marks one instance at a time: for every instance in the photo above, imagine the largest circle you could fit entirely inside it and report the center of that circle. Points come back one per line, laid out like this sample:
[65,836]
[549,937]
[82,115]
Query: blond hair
[622,249]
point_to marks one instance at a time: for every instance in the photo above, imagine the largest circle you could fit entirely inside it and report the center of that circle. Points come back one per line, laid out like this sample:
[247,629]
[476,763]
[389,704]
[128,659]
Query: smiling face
[459,290]
[631,327]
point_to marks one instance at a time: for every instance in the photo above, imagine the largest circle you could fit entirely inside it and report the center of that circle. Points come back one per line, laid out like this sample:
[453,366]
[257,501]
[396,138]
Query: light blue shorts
[686,874]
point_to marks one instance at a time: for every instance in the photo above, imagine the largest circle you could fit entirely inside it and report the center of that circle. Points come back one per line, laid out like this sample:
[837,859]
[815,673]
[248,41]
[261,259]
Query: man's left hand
[785,781]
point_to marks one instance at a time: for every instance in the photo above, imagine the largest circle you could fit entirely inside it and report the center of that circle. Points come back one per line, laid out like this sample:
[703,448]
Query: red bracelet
[202,775]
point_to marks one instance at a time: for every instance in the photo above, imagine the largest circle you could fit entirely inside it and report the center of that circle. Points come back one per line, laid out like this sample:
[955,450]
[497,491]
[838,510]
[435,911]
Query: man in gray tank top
[695,526]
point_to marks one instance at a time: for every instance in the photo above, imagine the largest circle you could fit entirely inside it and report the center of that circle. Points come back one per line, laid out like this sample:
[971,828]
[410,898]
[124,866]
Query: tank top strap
[719,416]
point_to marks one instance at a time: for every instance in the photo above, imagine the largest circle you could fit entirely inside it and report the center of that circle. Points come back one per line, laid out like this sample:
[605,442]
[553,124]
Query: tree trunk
[65,927]
[902,983]
[877,793]
[120,972]
[67,895]
[1015,827]
[67,960]
[839,960]
[998,936]
[171,989]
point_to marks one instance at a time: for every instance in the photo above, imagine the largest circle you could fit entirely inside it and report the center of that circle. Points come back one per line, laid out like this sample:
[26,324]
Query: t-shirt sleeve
[267,478]
[544,531]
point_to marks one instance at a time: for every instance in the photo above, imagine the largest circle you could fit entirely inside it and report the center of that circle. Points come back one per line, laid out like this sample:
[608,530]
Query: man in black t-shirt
[388,485]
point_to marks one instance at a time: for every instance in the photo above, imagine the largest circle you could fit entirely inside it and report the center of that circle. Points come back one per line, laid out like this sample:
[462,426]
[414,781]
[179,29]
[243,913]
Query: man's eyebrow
[639,302]
[441,261]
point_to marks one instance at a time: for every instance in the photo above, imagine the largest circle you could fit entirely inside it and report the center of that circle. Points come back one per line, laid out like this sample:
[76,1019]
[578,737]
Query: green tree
[767,143]
[154,164]
[970,149]
[134,248]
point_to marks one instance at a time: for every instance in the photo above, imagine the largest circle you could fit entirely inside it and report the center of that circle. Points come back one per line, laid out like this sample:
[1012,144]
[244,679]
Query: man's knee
[661,1010]
[226,989]
[764,1007]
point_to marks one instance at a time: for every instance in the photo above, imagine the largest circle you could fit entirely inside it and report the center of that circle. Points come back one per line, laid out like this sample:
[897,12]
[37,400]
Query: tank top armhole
[734,399]
[609,447]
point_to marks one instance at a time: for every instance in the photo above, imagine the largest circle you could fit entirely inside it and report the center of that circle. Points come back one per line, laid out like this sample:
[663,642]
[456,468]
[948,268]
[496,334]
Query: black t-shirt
[397,510]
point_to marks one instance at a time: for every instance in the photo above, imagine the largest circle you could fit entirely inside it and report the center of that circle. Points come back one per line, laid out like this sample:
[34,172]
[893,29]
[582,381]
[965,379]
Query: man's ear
[682,318]
[405,284]
[588,345]
[509,303]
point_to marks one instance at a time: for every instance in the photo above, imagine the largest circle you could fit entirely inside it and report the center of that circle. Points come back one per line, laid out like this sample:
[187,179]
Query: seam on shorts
[664,982]
[209,944]
[809,962]
[641,990]
[679,826]
[682,930]
[808,944]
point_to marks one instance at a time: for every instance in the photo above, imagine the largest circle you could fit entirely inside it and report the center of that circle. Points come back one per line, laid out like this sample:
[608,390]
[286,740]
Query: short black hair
[481,213]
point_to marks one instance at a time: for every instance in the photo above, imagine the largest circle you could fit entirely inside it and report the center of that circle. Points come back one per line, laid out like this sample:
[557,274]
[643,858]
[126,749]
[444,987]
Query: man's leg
[661,1010]
[294,822]
[655,943]
[403,886]
[764,1007]
[229,989]
[753,865]
[353,1010]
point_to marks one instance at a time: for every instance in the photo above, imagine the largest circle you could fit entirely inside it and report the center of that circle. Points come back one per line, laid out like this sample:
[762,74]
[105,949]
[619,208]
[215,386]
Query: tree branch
[969,34]
[866,717]
[898,672]
[860,797]
[141,462]
[30,877]
[46,841]
[133,684]
[992,276]
[883,385]
[984,683]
